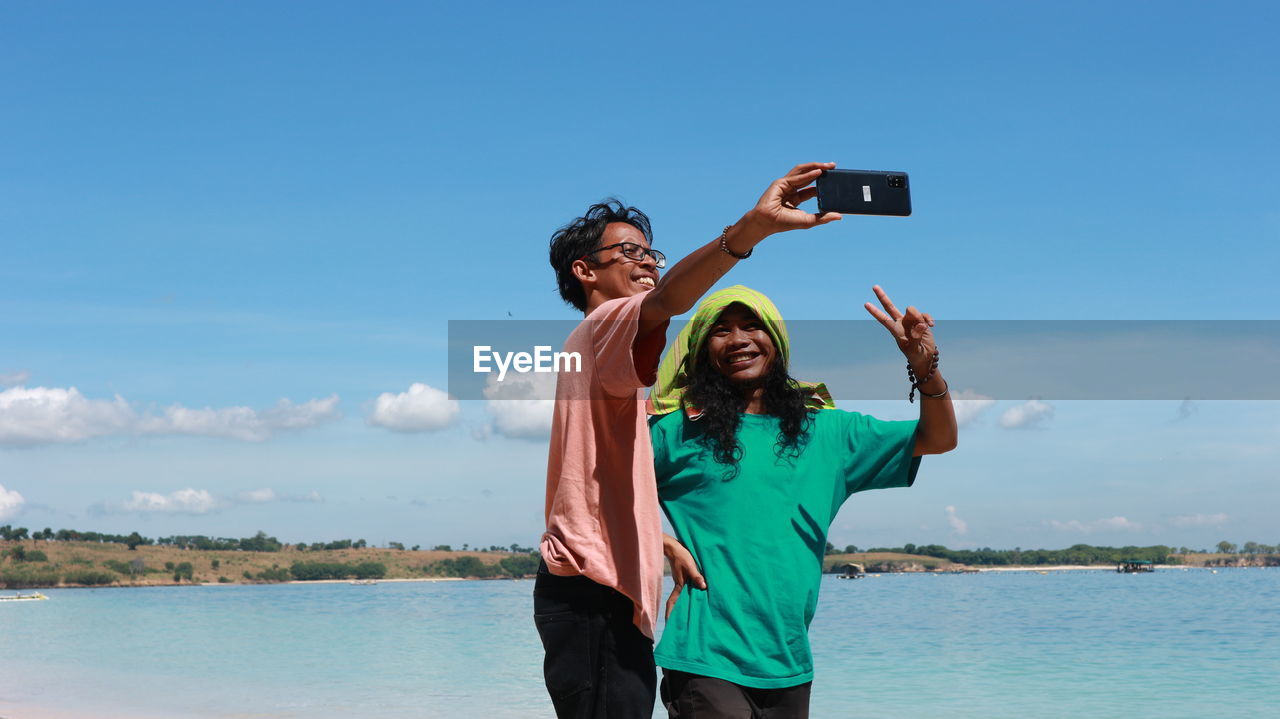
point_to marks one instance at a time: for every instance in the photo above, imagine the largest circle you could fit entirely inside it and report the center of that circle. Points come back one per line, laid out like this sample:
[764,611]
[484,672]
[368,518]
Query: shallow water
[1097,644]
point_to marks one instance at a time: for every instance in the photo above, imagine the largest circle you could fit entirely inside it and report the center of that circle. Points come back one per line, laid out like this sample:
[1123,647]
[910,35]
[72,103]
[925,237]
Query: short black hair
[571,242]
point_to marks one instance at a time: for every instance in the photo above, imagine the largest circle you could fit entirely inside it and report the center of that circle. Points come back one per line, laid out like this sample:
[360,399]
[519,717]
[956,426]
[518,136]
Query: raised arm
[776,211]
[937,432]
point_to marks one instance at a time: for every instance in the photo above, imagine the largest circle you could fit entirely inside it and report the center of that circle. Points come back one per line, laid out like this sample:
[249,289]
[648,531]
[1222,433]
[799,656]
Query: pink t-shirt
[603,519]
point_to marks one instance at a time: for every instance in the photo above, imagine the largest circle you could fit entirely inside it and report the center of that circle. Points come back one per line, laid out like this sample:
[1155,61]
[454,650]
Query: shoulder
[667,437]
[835,418]
[845,416]
[673,429]
[666,424]
[840,424]
[607,324]
[620,308]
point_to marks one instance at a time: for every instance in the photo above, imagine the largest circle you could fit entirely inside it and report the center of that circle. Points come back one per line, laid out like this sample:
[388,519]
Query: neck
[755,400]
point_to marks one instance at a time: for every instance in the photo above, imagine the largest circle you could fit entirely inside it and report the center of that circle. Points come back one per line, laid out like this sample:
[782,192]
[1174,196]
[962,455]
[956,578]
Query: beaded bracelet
[915,383]
[725,245]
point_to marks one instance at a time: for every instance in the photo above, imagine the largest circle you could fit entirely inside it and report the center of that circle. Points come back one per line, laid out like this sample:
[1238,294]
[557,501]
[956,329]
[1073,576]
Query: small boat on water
[20,597]
[852,571]
[364,581]
[1135,566]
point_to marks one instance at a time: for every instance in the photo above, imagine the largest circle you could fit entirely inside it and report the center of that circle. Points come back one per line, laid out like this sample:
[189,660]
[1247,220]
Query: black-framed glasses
[632,251]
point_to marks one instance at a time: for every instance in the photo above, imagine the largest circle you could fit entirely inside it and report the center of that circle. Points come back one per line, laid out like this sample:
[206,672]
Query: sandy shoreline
[971,570]
[264,584]
[376,581]
[15,711]
[978,570]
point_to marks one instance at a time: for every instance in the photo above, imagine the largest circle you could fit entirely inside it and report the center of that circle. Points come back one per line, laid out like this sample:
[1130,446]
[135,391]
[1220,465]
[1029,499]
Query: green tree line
[1250,548]
[1081,554]
[520,565]
[259,542]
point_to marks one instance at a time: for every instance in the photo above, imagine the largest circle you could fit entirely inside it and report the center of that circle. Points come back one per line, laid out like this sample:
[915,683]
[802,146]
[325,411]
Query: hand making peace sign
[912,331]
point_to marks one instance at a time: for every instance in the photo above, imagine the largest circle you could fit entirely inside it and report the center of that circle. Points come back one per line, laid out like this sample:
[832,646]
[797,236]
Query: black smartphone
[864,192]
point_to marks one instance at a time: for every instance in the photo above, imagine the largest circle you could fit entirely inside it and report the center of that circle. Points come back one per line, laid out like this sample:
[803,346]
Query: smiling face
[739,347]
[612,274]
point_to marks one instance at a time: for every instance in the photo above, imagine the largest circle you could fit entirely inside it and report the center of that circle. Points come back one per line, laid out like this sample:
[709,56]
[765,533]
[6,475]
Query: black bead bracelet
[915,383]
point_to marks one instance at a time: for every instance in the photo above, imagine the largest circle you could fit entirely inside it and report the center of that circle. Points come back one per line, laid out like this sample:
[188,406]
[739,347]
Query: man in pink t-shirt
[597,593]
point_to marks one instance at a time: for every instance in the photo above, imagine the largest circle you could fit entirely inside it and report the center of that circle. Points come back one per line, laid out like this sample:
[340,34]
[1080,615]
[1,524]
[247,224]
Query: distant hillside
[903,562]
[47,564]
[30,564]
[887,562]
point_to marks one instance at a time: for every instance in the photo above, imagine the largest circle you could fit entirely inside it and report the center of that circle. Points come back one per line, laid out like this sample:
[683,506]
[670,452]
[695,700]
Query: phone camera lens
[897,181]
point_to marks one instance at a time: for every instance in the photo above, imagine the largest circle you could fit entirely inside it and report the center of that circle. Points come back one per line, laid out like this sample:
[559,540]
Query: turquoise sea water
[1070,644]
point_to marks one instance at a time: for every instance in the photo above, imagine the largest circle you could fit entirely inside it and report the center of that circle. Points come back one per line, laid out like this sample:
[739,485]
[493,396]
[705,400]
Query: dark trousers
[598,663]
[692,696]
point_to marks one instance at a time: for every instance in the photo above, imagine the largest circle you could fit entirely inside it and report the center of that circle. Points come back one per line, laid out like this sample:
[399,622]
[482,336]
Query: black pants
[598,663]
[692,696]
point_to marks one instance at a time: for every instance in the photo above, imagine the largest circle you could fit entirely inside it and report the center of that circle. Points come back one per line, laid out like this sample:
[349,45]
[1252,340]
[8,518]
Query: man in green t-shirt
[752,467]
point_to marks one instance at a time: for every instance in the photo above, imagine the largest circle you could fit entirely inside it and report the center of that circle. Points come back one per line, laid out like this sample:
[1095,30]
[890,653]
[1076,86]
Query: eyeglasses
[632,251]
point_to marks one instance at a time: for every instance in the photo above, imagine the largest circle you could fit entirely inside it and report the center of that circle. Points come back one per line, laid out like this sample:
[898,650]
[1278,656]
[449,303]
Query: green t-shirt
[759,537]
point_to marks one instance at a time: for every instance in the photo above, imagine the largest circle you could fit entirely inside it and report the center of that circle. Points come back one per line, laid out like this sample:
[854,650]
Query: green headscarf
[678,363]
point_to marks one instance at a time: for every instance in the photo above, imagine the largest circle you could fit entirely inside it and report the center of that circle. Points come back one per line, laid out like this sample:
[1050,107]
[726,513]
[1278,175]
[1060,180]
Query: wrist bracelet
[915,383]
[724,245]
[946,387]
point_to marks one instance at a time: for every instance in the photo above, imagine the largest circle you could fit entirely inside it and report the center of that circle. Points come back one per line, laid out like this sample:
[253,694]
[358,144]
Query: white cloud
[183,501]
[1031,414]
[1198,520]
[265,495]
[257,496]
[241,423]
[422,409]
[40,415]
[288,416]
[519,407]
[197,501]
[47,415]
[10,502]
[1111,524]
[15,378]
[968,405]
[957,524]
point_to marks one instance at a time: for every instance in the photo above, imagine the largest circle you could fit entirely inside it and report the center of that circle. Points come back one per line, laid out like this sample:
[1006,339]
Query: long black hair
[722,403]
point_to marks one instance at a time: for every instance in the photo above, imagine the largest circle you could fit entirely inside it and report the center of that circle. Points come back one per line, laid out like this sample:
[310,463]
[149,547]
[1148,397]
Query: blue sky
[231,229]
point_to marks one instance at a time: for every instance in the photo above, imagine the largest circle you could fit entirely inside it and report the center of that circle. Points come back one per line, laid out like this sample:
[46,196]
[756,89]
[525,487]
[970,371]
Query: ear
[583,272]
